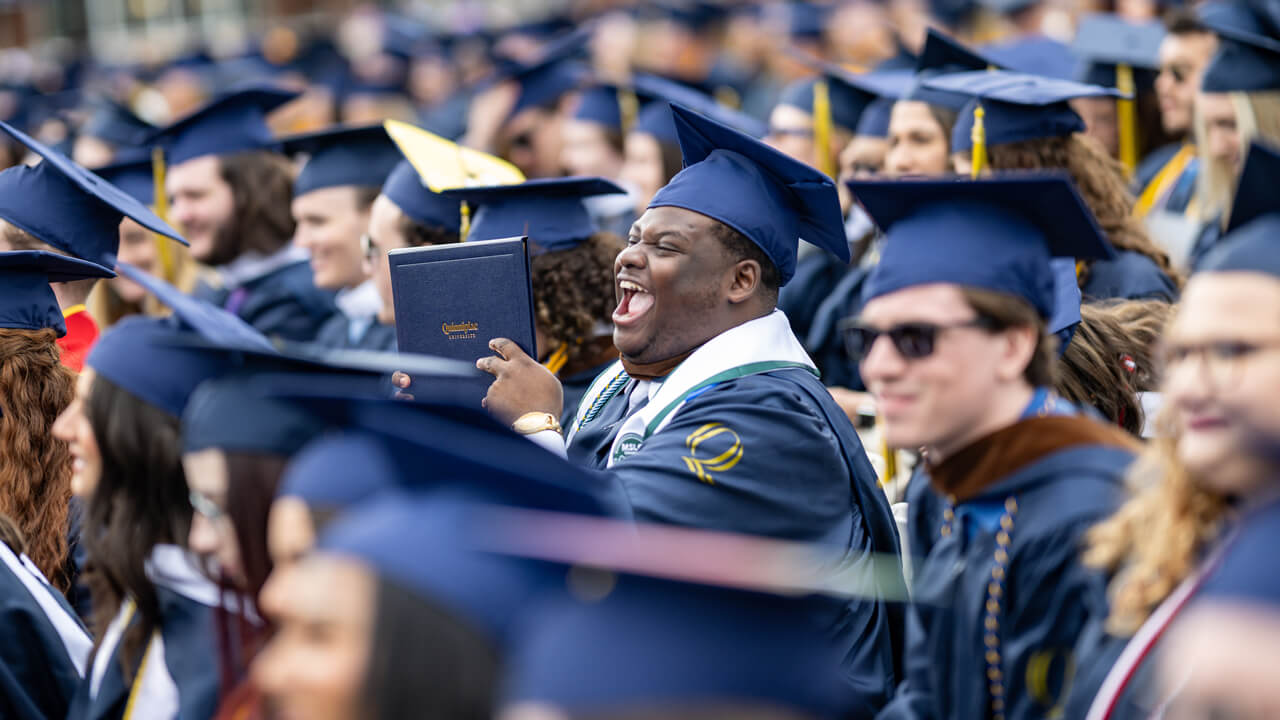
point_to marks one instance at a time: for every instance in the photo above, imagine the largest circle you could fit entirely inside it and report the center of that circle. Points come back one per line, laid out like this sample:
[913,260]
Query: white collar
[174,568]
[360,301]
[253,265]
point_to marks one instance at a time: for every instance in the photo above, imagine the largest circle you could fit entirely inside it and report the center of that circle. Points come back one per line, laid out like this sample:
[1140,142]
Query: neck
[1004,410]
[70,294]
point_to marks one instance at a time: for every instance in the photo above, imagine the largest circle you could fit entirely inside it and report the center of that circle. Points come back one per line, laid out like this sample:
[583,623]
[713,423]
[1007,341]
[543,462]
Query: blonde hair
[1257,117]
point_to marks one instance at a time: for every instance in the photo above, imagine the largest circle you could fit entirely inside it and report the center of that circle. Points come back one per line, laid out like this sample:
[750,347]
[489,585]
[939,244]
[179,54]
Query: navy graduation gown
[1048,596]
[336,333]
[283,303]
[824,342]
[803,475]
[1129,276]
[37,675]
[575,386]
[817,274]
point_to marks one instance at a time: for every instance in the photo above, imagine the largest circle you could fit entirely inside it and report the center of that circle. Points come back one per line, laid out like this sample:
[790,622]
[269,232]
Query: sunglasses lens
[914,341]
[858,341]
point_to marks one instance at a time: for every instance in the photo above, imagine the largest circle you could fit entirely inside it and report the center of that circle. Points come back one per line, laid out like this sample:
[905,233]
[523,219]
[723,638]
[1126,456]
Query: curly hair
[1095,368]
[35,475]
[262,193]
[573,292]
[140,501]
[418,234]
[1155,540]
[1100,180]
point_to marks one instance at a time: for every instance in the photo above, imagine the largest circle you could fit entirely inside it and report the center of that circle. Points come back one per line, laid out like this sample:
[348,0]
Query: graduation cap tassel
[1126,118]
[628,108]
[464,226]
[979,138]
[822,128]
[161,199]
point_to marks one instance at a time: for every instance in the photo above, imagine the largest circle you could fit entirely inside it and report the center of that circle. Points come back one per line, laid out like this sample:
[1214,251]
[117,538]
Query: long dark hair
[262,192]
[427,662]
[141,501]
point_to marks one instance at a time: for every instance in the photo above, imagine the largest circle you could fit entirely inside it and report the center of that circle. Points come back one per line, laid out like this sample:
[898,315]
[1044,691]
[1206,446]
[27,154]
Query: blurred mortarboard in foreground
[1066,302]
[770,198]
[549,211]
[233,122]
[943,55]
[26,300]
[655,118]
[116,124]
[407,190]
[340,469]
[357,156]
[1253,232]
[66,206]
[1015,107]
[994,234]
[1256,22]
[230,414]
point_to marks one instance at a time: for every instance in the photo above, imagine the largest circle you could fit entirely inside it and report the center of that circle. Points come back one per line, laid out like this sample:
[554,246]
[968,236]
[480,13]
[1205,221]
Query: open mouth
[634,302]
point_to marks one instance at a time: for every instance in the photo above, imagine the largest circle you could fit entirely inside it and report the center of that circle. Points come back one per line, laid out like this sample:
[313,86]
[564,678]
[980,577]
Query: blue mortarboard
[1017,107]
[1243,63]
[656,119]
[1035,55]
[807,20]
[413,541]
[1254,227]
[850,93]
[68,207]
[695,15]
[233,122]
[26,300]
[875,118]
[1105,41]
[1066,302]
[943,55]
[599,105]
[170,372]
[405,188]
[359,156]
[548,211]
[229,413]
[557,72]
[663,646]
[1256,22]
[770,198]
[135,177]
[994,233]
[114,123]
[340,469]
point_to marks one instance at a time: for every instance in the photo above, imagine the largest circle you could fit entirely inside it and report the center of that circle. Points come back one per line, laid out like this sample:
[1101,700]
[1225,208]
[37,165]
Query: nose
[881,361]
[632,256]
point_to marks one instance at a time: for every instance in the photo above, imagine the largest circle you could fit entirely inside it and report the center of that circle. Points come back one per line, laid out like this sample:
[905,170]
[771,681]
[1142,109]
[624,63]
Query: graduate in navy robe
[1013,475]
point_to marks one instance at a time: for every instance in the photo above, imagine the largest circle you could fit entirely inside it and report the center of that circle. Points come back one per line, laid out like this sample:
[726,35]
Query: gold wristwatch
[535,422]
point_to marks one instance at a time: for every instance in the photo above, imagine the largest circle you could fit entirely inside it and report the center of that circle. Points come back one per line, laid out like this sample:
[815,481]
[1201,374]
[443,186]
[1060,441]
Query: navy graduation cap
[233,122]
[114,123]
[1106,42]
[994,234]
[655,118]
[549,211]
[1244,63]
[1014,106]
[357,156]
[1036,55]
[943,55]
[849,93]
[340,469]
[600,105]
[1254,227]
[770,198]
[26,300]
[229,413]
[557,72]
[135,177]
[405,188]
[69,207]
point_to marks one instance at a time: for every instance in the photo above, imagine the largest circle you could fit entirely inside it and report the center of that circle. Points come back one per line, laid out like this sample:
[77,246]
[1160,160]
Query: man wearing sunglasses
[954,347]
[714,417]
[1165,180]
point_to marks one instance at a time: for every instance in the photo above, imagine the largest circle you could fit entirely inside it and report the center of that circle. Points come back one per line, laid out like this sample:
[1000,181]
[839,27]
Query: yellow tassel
[822,128]
[465,224]
[161,199]
[556,362]
[628,109]
[979,137]
[1127,118]
[890,457]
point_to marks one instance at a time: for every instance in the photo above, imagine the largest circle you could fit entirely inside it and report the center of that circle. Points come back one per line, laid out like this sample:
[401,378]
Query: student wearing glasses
[332,199]
[954,349]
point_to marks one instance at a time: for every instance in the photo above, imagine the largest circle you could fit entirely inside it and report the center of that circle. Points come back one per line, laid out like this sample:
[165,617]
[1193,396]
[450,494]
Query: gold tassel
[889,455]
[161,199]
[628,108]
[979,137]
[556,362]
[822,128]
[1127,118]
[464,226]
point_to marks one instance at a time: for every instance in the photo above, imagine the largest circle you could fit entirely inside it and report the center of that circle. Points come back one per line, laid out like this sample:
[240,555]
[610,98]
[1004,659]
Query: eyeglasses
[913,341]
[791,132]
[1220,362]
[1180,73]
[205,506]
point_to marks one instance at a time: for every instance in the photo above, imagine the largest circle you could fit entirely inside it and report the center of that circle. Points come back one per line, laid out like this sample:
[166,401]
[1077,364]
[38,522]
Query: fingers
[506,349]
[401,380]
[491,364]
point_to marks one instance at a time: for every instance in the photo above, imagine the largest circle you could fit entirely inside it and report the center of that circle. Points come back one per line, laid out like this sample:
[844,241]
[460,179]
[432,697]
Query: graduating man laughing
[714,417]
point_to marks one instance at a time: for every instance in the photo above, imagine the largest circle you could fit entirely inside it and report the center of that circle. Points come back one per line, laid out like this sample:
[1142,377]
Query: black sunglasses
[913,340]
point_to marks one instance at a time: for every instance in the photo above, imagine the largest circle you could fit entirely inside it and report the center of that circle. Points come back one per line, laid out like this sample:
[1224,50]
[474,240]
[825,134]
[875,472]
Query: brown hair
[418,234]
[1095,369]
[573,292]
[35,473]
[1100,180]
[1004,312]
[1154,541]
[11,536]
[262,193]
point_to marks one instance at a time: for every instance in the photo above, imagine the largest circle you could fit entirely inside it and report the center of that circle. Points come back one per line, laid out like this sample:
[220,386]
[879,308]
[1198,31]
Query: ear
[1019,347]
[744,278]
